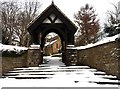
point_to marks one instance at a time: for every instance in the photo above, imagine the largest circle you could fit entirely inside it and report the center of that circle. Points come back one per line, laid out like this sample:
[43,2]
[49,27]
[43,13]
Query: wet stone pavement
[55,73]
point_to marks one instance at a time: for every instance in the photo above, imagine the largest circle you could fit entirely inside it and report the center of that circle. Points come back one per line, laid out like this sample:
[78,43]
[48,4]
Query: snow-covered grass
[10,48]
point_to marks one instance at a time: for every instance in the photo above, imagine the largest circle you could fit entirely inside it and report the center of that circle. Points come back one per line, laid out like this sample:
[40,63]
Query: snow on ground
[63,76]
[11,48]
[56,61]
[56,74]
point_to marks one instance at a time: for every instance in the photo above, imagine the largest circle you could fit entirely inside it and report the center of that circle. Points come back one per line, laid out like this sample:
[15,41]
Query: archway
[52,20]
[60,35]
[52,48]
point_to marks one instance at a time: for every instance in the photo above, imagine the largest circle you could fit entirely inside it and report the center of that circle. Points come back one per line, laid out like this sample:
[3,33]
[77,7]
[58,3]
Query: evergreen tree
[88,25]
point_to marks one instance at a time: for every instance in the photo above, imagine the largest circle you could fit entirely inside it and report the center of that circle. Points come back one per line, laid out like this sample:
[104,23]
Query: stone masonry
[9,63]
[30,58]
[34,56]
[71,56]
[105,57]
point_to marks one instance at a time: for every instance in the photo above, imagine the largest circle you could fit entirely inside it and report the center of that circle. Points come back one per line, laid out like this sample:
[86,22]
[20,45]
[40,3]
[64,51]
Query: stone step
[59,72]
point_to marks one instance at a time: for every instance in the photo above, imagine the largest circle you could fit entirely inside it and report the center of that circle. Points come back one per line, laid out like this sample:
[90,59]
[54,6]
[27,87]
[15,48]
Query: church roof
[52,9]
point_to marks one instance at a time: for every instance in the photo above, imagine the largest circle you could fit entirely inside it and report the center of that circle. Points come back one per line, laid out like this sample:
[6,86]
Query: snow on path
[56,74]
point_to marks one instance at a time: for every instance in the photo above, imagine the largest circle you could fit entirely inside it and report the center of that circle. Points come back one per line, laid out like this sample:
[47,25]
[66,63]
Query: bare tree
[9,13]
[113,16]
[113,21]
[15,16]
[88,25]
[30,11]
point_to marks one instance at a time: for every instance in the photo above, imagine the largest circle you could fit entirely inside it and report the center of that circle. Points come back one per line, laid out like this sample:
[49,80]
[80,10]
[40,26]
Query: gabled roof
[52,9]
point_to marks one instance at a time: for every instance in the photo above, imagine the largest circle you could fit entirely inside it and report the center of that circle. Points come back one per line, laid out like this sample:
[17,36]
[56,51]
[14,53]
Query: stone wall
[104,57]
[30,58]
[9,63]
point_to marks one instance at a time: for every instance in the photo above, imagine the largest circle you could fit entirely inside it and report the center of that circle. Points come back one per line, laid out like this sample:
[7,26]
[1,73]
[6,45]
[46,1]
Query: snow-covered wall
[105,57]
[101,42]
[11,57]
[14,56]
[9,50]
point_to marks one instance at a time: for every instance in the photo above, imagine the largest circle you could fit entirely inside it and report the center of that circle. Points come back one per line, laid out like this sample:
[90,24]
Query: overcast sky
[69,7]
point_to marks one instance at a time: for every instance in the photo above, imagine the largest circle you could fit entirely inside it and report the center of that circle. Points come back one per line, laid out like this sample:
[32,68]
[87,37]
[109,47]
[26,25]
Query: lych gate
[52,20]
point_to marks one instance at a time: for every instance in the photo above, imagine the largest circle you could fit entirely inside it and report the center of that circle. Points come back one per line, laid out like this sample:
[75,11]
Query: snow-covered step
[59,72]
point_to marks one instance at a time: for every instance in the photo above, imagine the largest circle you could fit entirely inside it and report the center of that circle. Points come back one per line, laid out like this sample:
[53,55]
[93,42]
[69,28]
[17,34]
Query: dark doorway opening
[52,47]
[53,44]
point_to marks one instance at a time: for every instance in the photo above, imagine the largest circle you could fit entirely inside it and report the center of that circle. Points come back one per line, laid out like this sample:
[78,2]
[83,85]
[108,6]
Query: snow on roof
[103,41]
[51,35]
[50,43]
[11,48]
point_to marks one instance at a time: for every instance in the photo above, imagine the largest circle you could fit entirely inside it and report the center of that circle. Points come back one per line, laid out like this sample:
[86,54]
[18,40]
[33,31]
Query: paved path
[54,73]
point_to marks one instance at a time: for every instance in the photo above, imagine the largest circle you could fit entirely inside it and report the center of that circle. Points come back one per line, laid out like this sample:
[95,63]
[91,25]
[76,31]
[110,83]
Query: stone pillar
[0,53]
[34,56]
[118,55]
[0,65]
[71,55]
[63,52]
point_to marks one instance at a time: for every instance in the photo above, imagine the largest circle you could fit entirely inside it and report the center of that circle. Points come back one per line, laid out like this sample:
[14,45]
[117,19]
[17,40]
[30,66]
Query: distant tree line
[14,18]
